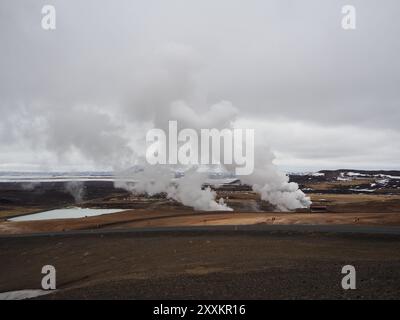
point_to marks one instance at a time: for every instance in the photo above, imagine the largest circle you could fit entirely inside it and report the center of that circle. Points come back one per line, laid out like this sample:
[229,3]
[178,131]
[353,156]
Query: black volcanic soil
[38,194]
[347,181]
[205,265]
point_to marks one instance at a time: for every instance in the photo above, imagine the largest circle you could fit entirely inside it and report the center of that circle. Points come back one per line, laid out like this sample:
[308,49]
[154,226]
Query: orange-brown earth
[142,211]
[143,218]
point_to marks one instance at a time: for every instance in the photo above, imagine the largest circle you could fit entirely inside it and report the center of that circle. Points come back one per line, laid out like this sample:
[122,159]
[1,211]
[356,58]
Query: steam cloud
[187,190]
[272,185]
[76,189]
[73,129]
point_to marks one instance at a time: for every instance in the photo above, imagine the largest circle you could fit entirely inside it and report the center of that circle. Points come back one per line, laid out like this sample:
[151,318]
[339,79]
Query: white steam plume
[266,179]
[187,190]
[273,185]
[161,178]
[103,123]
[76,189]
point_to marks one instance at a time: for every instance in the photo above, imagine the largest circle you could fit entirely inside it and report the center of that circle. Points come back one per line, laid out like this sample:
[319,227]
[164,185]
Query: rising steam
[187,190]
[105,125]
[272,185]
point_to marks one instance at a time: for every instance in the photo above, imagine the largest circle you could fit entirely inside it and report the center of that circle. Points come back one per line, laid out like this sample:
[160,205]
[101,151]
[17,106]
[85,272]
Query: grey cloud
[129,60]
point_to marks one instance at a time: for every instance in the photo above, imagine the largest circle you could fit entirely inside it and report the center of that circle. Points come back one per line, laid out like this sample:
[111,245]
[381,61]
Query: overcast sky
[81,96]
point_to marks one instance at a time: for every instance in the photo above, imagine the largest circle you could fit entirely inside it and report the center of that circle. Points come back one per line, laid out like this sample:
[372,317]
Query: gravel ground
[204,265]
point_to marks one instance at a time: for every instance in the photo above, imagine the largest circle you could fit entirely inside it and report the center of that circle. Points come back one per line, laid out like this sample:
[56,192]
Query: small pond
[66,213]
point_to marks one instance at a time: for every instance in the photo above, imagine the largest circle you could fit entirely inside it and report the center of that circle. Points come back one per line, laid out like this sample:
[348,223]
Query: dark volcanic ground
[204,265]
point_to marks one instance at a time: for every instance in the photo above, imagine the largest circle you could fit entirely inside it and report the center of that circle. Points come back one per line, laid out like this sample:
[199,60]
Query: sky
[81,97]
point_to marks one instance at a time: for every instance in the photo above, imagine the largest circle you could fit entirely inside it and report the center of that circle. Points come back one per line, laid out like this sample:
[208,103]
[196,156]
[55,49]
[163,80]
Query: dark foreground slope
[206,264]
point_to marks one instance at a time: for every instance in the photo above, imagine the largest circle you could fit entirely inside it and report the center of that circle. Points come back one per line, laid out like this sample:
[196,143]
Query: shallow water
[67,213]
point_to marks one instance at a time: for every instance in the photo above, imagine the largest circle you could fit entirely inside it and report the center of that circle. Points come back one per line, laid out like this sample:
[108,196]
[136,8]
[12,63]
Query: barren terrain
[158,248]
